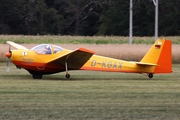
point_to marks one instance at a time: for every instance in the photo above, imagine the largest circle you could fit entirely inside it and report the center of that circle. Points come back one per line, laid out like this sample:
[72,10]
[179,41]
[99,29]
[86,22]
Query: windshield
[47,49]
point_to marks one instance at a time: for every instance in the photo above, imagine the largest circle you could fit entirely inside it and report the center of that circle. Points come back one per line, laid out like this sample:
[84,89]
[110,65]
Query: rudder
[161,54]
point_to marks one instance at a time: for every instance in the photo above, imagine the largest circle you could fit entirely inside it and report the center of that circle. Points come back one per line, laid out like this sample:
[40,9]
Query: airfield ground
[89,95]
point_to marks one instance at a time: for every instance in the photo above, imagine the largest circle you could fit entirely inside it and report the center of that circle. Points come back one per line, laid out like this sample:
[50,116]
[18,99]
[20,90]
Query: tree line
[88,17]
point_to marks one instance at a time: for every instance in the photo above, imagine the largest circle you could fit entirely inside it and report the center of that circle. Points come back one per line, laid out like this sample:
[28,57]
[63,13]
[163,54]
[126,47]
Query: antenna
[130,22]
[156,20]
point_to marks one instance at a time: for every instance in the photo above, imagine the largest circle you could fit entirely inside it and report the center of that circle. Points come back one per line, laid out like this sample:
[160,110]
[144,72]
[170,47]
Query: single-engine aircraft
[48,59]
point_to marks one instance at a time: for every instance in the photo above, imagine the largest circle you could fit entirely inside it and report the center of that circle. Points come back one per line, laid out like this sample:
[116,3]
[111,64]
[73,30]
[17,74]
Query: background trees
[87,17]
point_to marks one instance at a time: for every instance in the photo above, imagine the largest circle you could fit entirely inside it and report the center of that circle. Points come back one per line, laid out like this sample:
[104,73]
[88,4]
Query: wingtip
[17,46]
[86,50]
[8,42]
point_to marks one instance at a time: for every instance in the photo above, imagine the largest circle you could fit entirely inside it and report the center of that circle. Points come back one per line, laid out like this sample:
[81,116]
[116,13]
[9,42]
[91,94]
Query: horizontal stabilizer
[142,63]
[17,46]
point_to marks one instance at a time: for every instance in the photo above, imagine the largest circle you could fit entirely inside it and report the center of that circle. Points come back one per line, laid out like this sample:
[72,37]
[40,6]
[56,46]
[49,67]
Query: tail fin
[160,54]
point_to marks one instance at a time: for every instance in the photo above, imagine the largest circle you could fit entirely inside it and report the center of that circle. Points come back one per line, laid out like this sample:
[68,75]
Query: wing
[75,59]
[17,46]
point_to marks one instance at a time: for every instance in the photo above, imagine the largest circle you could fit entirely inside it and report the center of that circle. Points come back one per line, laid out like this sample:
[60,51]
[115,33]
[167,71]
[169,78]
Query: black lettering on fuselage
[114,66]
[93,63]
[108,65]
[120,66]
[104,64]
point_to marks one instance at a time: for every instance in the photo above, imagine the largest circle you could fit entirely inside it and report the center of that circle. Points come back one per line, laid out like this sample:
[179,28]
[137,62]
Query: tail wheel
[150,75]
[37,76]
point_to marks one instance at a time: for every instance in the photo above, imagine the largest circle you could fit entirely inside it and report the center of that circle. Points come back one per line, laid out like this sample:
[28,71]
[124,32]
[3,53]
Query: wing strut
[67,74]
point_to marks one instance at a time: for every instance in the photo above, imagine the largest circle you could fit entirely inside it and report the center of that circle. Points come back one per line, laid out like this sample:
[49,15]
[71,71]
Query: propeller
[8,55]
[8,64]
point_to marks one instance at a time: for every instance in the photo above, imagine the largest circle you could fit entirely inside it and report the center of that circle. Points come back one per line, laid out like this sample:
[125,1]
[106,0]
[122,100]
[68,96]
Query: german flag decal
[157,46]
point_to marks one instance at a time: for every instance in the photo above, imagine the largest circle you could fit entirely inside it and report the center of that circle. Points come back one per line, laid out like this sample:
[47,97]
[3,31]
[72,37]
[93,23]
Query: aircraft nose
[8,54]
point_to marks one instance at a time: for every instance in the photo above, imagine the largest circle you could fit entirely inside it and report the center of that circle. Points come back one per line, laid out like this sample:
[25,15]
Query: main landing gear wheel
[67,75]
[66,66]
[37,76]
[150,75]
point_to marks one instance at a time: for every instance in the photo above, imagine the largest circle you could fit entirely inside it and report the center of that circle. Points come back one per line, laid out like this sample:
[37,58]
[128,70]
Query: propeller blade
[8,64]
[8,55]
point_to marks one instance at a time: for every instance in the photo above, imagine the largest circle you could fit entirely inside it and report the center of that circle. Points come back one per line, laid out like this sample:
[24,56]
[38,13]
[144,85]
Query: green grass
[89,95]
[82,39]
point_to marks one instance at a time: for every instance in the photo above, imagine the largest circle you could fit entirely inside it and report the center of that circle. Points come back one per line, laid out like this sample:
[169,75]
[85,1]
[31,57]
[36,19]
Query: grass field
[89,95]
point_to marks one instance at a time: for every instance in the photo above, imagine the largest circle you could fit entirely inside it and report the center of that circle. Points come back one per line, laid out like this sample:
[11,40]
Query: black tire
[67,75]
[37,76]
[150,75]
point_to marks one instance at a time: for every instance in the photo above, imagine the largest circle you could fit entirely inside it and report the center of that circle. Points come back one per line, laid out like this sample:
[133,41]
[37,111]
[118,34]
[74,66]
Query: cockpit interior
[46,49]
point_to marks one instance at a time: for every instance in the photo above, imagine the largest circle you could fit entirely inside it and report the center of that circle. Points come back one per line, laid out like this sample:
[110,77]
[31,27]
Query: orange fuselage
[30,60]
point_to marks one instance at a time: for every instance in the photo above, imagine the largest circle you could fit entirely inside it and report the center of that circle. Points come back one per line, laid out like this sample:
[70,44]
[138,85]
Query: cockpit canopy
[47,49]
